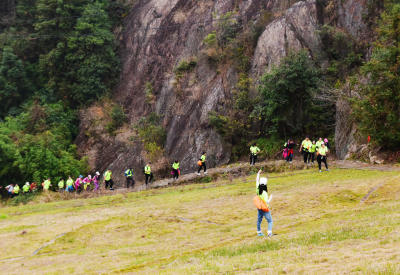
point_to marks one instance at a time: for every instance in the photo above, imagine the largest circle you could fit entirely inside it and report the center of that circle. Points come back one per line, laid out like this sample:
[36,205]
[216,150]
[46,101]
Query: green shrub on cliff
[378,112]
[291,104]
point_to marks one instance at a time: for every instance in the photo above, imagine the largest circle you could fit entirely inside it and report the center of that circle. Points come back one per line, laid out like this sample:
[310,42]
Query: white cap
[263,181]
[97,173]
[27,182]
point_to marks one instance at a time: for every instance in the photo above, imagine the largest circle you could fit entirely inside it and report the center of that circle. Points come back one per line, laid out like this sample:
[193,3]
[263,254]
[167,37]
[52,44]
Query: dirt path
[235,170]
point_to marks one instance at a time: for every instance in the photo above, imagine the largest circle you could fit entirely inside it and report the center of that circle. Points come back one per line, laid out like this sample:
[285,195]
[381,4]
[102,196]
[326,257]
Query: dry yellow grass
[210,228]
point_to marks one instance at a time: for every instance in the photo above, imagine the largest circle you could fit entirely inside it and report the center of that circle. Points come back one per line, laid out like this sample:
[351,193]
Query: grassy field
[321,227]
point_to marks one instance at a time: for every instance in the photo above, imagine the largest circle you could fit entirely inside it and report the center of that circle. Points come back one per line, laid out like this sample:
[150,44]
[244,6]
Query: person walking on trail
[10,190]
[86,182]
[61,185]
[203,164]
[96,181]
[305,149]
[148,174]
[264,200]
[108,180]
[319,143]
[33,187]
[26,187]
[129,178]
[313,149]
[16,190]
[78,184]
[46,185]
[175,169]
[321,157]
[70,184]
[254,150]
[290,150]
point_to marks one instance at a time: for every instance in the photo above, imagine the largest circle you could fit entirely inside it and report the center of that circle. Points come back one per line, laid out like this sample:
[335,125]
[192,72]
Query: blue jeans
[267,216]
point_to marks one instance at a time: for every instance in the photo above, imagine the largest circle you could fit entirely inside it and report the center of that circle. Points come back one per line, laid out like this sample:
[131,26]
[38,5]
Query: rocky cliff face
[158,34]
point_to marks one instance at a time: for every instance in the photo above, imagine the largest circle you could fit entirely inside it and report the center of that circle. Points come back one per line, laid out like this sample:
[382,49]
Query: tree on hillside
[290,104]
[14,84]
[91,58]
[83,64]
[378,112]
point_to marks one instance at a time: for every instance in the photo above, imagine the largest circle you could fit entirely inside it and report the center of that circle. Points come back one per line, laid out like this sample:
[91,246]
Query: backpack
[285,153]
[260,204]
[126,172]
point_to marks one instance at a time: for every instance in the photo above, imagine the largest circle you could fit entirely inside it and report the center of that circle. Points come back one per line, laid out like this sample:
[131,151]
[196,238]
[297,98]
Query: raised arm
[258,177]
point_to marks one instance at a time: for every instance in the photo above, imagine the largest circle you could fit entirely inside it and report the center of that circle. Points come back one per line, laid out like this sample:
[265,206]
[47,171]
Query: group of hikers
[309,149]
[92,183]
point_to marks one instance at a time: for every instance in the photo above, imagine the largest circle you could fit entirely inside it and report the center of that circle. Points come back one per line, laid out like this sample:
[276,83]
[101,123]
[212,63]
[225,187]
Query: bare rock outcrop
[158,35]
[294,31]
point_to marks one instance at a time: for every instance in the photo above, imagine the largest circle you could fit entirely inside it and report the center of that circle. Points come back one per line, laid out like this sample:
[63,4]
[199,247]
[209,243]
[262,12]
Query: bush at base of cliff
[154,151]
[270,147]
[37,144]
[152,134]
[378,112]
[293,100]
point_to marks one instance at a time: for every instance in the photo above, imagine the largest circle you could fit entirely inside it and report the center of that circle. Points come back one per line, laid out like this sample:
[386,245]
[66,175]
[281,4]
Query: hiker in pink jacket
[78,184]
[96,181]
[86,182]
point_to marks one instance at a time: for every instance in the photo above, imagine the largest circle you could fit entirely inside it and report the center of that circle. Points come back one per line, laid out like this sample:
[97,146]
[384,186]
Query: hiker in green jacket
[129,178]
[203,164]
[61,185]
[254,150]
[148,174]
[26,187]
[175,169]
[108,180]
[313,150]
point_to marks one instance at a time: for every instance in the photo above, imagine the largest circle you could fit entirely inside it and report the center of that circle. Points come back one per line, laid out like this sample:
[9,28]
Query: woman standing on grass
[262,193]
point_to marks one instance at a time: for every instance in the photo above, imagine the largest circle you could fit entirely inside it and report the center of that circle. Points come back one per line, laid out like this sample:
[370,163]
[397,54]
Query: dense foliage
[36,145]
[378,112]
[57,56]
[293,101]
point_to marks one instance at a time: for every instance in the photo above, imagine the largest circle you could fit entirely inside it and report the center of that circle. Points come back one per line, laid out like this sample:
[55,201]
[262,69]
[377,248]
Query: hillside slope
[159,35]
[321,225]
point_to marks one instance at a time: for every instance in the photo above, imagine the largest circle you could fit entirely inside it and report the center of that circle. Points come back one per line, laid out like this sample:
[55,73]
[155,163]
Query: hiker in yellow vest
[262,192]
[108,180]
[16,190]
[175,169]
[70,184]
[313,150]
[129,177]
[26,187]
[254,150]
[46,185]
[203,164]
[319,143]
[321,156]
[61,185]
[305,149]
[148,174]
